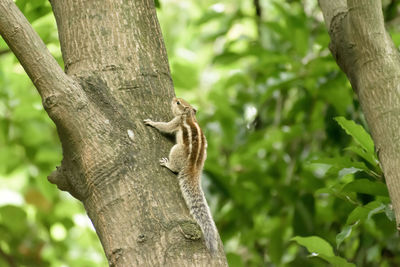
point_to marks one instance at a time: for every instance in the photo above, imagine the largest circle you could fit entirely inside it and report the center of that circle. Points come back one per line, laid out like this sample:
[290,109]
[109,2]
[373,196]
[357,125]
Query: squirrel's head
[181,107]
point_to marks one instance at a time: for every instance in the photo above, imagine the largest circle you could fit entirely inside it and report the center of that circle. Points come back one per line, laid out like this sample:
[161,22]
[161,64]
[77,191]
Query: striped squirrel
[187,158]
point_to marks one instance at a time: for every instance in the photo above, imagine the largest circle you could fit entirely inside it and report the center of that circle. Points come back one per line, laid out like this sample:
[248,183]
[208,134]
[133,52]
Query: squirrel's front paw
[148,122]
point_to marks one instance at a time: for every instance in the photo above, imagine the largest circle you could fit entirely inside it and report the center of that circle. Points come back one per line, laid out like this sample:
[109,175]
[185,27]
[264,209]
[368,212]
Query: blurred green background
[291,177]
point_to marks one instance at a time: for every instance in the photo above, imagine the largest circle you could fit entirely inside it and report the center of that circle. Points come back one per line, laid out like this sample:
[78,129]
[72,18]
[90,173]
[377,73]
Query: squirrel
[187,158]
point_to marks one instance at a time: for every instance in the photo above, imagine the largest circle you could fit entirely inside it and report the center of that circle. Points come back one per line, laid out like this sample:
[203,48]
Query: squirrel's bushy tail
[197,204]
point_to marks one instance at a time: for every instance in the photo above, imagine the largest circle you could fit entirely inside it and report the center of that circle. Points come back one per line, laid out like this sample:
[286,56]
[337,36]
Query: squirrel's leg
[176,159]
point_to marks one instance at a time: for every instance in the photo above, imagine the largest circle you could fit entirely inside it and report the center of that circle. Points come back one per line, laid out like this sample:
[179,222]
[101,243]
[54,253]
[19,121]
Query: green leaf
[319,247]
[337,261]
[209,15]
[371,158]
[390,213]
[359,215]
[365,212]
[342,165]
[227,58]
[359,134]
[366,186]
[315,244]
[345,233]
[337,190]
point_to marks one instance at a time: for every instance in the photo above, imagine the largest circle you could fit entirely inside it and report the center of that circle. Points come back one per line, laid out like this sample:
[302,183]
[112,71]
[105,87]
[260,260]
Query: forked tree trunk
[365,52]
[117,74]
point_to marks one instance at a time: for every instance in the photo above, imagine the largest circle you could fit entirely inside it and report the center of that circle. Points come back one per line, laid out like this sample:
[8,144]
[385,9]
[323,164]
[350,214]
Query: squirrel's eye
[178,103]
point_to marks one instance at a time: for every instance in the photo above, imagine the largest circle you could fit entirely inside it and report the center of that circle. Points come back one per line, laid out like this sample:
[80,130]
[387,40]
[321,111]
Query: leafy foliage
[292,177]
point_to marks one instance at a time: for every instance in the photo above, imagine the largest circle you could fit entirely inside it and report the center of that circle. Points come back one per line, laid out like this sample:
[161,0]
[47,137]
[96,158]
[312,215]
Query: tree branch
[367,20]
[61,95]
[258,10]
[30,50]
[331,9]
[365,52]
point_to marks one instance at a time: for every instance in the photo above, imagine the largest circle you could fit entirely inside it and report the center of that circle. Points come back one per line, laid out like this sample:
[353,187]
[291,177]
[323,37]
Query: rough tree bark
[116,75]
[365,52]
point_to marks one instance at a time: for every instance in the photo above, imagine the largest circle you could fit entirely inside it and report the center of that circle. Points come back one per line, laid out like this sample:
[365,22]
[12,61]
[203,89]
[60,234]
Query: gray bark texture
[365,52]
[116,75]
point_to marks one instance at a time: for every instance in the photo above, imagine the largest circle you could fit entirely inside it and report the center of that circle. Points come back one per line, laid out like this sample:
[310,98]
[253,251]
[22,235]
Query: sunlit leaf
[360,136]
[315,244]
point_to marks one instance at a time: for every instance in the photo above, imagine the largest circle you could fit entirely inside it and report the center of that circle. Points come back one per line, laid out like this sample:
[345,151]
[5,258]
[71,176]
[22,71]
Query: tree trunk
[365,52]
[116,75]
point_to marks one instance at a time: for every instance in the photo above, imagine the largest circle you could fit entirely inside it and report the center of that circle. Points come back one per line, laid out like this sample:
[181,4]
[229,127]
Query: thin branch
[30,50]
[4,51]
[257,6]
[258,10]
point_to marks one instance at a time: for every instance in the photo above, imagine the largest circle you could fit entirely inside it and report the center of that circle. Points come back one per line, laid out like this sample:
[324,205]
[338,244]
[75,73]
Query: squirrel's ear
[194,110]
